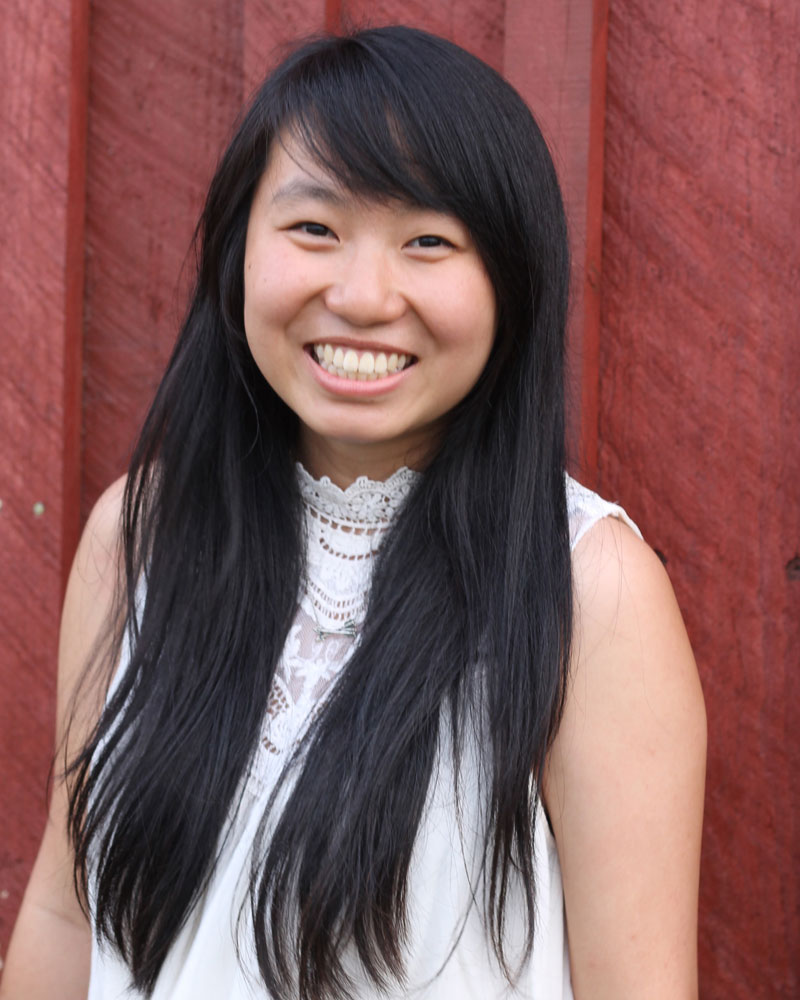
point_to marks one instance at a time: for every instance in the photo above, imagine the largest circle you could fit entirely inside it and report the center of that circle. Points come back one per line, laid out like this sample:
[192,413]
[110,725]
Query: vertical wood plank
[42,166]
[270,26]
[74,279]
[476,25]
[586,357]
[700,422]
[555,57]
[165,87]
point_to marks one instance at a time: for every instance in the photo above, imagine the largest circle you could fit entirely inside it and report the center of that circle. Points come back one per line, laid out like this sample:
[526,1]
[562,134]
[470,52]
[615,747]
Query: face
[370,320]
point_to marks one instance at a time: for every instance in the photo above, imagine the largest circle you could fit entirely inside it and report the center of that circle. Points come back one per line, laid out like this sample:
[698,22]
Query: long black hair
[476,566]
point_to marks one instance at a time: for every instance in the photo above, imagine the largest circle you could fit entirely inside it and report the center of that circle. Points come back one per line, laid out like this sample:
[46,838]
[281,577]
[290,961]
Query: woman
[386,676]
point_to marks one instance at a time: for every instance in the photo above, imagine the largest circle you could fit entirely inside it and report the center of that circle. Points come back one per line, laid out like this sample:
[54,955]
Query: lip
[353,387]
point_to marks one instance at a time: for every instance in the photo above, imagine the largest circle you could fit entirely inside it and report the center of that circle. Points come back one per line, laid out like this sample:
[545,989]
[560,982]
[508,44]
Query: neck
[343,462]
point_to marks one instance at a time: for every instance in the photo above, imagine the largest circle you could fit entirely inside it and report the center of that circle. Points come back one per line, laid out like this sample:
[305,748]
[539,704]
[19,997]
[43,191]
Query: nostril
[364,302]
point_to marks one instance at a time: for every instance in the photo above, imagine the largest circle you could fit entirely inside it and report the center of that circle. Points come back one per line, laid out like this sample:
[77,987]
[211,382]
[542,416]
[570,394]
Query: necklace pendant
[349,629]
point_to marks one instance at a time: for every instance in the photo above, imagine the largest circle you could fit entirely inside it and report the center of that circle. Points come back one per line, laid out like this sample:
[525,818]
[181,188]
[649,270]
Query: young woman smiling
[398,289]
[360,694]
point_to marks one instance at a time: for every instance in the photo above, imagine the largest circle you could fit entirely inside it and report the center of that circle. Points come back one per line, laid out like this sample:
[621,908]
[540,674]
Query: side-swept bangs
[391,119]
[395,113]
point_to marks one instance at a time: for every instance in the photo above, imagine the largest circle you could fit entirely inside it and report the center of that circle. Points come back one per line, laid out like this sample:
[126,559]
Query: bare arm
[50,948]
[625,779]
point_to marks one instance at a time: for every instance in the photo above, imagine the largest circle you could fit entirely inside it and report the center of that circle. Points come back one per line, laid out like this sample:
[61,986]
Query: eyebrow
[299,189]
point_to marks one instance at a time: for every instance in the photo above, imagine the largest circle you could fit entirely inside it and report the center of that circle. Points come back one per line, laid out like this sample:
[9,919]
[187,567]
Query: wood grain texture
[555,57]
[42,79]
[272,28]
[700,421]
[475,25]
[165,87]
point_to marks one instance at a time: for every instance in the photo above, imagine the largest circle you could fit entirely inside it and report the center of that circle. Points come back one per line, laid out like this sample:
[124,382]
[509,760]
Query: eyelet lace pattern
[364,503]
[344,530]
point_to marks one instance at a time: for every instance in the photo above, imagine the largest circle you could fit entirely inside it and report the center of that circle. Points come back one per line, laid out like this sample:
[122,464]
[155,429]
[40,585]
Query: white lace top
[449,955]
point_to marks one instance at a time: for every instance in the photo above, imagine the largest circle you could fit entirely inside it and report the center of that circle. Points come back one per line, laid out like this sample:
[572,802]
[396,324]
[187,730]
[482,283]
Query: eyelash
[317,229]
[313,229]
[440,241]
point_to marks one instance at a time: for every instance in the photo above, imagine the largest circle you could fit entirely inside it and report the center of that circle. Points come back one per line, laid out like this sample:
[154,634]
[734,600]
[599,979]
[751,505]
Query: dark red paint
[700,421]
[42,121]
[682,189]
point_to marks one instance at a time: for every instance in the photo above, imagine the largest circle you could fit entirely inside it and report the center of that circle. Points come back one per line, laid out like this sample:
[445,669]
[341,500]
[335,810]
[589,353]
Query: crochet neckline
[366,502]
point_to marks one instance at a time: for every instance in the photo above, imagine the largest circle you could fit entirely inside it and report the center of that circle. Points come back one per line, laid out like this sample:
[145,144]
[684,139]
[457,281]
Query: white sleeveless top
[449,954]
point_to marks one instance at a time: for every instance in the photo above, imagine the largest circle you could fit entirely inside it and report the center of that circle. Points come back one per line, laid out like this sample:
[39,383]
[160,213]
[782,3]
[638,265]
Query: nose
[364,291]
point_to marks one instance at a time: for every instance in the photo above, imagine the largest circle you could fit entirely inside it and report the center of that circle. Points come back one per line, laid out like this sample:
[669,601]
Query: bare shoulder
[97,552]
[90,594]
[625,779]
[625,606]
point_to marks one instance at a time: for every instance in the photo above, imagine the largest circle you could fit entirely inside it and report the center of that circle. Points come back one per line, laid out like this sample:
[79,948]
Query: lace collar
[365,502]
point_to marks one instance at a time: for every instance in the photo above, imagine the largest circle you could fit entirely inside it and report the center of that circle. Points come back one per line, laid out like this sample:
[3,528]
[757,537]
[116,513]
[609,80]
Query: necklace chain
[349,629]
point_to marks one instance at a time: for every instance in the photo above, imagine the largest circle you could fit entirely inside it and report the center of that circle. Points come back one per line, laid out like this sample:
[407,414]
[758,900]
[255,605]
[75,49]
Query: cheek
[261,301]
[486,315]
[469,319]
[261,321]
[254,297]
[272,286]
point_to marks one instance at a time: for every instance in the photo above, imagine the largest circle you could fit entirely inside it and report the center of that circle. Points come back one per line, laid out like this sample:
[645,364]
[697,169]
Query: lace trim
[365,502]
[344,530]
[325,526]
[585,508]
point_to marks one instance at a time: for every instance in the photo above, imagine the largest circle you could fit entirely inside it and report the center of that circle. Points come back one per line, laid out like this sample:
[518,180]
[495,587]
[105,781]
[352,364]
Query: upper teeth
[363,365]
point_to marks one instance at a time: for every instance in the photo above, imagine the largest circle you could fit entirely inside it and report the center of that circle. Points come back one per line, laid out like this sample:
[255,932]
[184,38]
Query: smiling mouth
[365,366]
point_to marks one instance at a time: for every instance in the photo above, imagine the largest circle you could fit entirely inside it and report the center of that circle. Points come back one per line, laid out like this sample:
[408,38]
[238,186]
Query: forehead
[296,172]
[291,169]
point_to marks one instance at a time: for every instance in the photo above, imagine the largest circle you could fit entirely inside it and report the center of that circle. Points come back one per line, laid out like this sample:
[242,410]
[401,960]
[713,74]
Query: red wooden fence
[684,341]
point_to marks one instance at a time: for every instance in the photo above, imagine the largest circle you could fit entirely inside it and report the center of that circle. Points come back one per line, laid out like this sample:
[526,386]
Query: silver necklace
[349,629]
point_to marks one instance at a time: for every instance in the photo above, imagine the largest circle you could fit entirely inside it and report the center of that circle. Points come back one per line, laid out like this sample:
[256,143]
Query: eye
[430,242]
[315,229]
